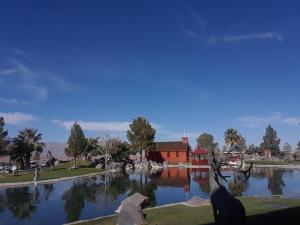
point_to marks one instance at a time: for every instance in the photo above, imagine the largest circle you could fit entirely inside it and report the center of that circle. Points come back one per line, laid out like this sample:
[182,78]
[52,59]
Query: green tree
[76,143]
[297,152]
[3,134]
[252,149]
[271,142]
[206,141]
[231,137]
[141,135]
[22,147]
[287,152]
[114,147]
[120,152]
[91,148]
[241,145]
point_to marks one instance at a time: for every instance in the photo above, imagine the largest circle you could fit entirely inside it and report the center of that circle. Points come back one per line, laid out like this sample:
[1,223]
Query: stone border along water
[27,183]
[288,166]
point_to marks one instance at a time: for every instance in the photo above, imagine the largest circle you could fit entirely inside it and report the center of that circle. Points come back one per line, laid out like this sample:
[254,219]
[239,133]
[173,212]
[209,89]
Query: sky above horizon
[198,66]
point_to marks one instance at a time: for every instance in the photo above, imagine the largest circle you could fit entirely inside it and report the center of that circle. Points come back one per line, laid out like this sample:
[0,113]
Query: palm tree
[28,141]
[232,137]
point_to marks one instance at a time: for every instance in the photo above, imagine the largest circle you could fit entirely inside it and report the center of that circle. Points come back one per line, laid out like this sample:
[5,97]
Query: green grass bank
[258,210]
[59,171]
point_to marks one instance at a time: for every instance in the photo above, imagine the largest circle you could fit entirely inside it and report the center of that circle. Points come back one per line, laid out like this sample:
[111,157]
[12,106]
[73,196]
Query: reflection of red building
[174,177]
[200,157]
[173,152]
[201,176]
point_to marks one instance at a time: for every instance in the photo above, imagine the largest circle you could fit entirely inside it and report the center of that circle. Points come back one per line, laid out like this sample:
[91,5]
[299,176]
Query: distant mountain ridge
[57,149]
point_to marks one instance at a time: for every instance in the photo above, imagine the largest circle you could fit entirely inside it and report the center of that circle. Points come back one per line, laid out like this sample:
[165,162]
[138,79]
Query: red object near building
[173,152]
[200,157]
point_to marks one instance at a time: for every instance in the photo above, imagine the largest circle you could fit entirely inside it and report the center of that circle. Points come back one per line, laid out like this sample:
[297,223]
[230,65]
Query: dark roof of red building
[176,146]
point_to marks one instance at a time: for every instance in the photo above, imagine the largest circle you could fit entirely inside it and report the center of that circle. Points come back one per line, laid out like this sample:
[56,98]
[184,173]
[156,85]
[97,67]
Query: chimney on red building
[185,139]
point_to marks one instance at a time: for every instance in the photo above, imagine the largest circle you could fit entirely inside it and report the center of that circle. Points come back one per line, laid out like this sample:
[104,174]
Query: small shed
[200,157]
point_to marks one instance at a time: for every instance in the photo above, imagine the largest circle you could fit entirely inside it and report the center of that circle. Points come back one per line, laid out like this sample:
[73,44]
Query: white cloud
[191,34]
[11,101]
[178,136]
[18,51]
[273,118]
[100,126]
[34,81]
[255,36]
[17,118]
[194,26]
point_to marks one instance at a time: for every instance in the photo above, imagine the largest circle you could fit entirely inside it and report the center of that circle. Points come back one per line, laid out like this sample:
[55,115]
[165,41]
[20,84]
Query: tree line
[235,141]
[29,141]
[140,136]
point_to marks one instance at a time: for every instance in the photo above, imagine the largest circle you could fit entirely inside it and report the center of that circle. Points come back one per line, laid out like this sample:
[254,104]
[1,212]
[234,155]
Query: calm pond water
[97,196]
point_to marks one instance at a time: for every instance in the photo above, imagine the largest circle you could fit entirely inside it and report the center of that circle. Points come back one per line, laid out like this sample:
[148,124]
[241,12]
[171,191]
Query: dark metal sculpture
[227,209]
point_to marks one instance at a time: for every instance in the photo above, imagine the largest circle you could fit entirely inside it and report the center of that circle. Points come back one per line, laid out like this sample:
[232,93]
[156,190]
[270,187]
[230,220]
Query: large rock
[196,202]
[136,199]
[131,214]
[131,210]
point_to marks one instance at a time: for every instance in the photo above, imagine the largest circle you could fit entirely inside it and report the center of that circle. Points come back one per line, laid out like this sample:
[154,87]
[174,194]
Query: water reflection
[201,177]
[48,189]
[173,177]
[101,195]
[21,202]
[276,183]
[236,185]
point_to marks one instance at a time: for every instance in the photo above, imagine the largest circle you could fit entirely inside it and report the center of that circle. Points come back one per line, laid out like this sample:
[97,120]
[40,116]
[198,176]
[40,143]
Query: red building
[173,152]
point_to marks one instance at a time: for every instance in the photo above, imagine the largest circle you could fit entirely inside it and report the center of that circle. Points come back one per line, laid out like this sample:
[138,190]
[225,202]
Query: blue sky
[202,66]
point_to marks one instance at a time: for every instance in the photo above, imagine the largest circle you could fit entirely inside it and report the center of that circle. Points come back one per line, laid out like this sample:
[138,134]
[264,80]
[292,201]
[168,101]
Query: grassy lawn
[259,211]
[266,162]
[59,171]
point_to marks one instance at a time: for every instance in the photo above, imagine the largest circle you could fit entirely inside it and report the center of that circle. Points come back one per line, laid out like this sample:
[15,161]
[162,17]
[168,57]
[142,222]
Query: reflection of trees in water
[20,201]
[258,173]
[74,202]
[48,189]
[237,186]
[274,176]
[122,184]
[88,190]
[75,197]
[2,202]
[276,183]
[205,187]
[202,178]
[117,185]
[146,189]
